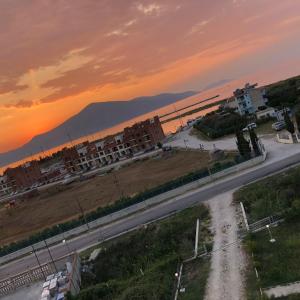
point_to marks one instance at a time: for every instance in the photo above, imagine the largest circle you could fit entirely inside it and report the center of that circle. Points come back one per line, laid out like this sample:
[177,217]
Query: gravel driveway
[228,259]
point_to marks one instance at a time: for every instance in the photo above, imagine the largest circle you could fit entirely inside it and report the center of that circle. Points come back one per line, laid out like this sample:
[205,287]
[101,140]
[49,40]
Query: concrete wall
[136,207]
[285,138]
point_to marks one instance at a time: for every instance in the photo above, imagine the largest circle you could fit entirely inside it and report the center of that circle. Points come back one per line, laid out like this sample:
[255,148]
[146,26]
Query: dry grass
[57,204]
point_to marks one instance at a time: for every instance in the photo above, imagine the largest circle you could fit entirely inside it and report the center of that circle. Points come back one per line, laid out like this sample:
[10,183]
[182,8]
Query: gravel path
[228,262]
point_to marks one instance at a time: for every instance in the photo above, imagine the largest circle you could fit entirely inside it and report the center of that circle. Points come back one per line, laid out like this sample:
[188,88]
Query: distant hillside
[93,118]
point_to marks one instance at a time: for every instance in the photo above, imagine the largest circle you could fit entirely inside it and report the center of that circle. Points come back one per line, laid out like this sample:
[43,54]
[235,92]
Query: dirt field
[58,204]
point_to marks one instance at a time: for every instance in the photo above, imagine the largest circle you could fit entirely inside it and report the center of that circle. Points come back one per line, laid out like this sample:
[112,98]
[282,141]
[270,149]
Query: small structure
[267,113]
[285,138]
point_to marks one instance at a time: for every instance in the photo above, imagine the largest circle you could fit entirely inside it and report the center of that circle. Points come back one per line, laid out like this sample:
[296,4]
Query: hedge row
[118,205]
[215,125]
[215,133]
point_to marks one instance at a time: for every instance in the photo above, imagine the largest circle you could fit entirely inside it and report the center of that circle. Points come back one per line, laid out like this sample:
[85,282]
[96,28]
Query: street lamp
[272,240]
[64,241]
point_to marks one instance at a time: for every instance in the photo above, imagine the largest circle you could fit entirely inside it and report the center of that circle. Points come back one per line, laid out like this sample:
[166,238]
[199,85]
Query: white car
[250,126]
[278,125]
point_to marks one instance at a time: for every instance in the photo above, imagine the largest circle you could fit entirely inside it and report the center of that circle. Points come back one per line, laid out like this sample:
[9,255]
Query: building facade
[144,135]
[24,176]
[5,187]
[250,99]
[138,138]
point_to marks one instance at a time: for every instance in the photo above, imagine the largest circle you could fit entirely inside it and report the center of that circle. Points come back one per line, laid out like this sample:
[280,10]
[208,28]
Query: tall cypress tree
[297,117]
[254,142]
[288,122]
[243,144]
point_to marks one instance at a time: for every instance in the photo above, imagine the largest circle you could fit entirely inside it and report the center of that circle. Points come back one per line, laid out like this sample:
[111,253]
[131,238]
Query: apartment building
[71,159]
[144,135]
[250,99]
[135,139]
[5,187]
[24,176]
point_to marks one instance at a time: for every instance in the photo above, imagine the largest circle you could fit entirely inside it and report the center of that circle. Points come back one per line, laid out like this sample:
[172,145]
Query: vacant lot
[60,203]
[277,262]
[153,254]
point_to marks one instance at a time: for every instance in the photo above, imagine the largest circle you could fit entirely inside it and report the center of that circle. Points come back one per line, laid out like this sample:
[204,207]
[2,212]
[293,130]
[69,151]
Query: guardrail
[134,208]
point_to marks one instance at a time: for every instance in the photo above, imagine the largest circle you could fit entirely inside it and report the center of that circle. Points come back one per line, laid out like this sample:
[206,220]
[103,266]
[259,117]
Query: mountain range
[93,118]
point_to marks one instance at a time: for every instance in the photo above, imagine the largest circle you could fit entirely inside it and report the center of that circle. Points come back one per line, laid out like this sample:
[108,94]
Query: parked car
[250,126]
[278,125]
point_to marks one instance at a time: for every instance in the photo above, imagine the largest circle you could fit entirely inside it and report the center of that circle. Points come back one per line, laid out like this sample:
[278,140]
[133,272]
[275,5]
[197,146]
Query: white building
[250,99]
[271,112]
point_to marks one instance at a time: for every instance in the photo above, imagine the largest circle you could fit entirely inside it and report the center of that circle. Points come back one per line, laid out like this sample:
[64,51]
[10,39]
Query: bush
[156,250]
[279,194]
[215,125]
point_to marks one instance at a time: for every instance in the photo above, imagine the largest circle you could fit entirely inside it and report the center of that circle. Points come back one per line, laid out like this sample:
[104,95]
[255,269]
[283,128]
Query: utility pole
[82,212]
[244,216]
[38,261]
[117,183]
[51,256]
[196,238]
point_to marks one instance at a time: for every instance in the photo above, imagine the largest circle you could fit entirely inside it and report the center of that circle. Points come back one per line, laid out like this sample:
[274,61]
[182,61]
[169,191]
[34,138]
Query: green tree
[288,122]
[243,144]
[254,142]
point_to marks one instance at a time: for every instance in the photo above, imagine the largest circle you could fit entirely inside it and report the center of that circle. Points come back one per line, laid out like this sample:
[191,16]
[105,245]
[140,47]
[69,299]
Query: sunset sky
[58,56]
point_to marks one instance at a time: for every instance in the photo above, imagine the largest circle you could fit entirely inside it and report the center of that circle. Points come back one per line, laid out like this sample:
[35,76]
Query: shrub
[216,125]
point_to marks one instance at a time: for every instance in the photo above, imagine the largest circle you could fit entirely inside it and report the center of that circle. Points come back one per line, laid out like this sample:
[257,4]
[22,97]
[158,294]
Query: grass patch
[277,263]
[279,194]
[252,285]
[194,279]
[142,264]
[265,128]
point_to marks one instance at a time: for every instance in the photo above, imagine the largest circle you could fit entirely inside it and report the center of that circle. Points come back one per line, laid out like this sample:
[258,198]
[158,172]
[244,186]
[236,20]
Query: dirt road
[228,260]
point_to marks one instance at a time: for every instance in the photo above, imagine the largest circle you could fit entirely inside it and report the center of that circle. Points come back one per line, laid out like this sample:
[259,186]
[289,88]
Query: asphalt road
[148,215]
